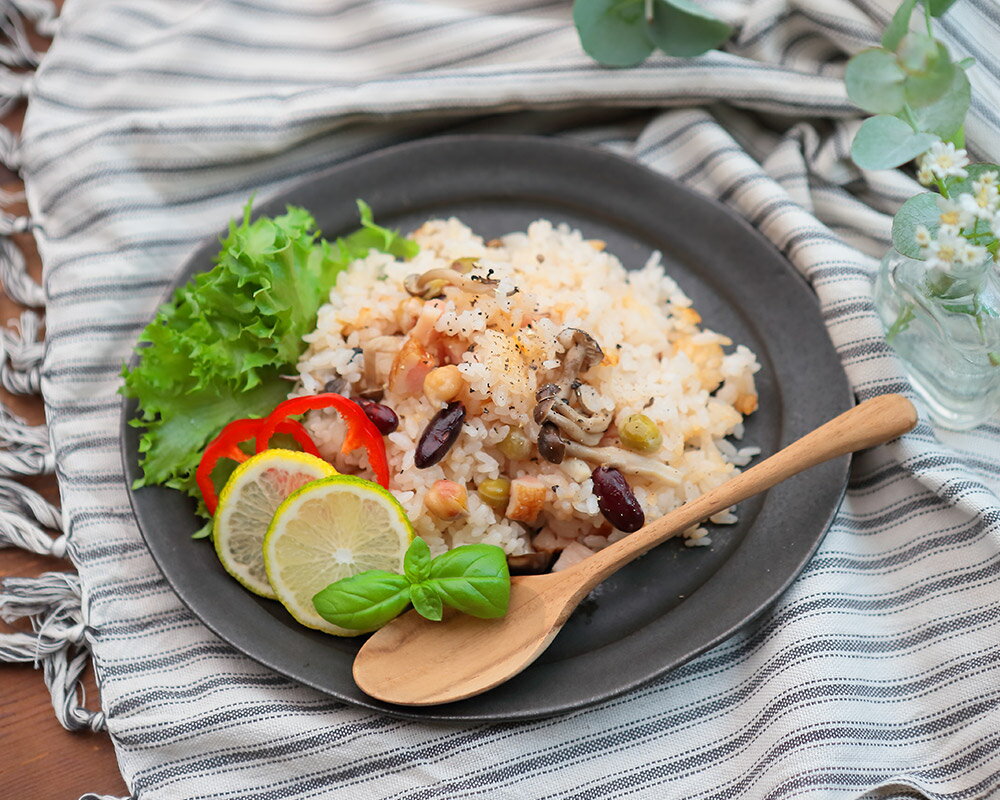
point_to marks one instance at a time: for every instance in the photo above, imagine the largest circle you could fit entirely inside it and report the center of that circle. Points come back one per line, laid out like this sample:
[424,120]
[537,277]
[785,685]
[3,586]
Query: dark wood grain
[40,759]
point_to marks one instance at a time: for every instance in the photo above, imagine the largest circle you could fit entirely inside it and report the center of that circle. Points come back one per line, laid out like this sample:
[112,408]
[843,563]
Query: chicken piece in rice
[550,346]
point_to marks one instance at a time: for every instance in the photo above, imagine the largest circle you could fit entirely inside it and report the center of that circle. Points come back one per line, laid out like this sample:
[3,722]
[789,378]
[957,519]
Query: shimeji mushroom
[432,283]
[584,425]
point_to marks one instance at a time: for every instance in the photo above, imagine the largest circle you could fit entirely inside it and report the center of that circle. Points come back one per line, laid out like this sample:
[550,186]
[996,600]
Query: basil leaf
[680,28]
[613,32]
[885,142]
[875,81]
[899,25]
[426,601]
[365,601]
[417,561]
[474,579]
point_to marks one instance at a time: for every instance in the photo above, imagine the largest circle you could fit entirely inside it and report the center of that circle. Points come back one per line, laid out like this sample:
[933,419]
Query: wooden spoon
[415,662]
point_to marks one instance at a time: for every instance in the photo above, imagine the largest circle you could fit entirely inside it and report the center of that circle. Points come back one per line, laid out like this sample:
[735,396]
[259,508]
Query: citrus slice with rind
[328,530]
[247,504]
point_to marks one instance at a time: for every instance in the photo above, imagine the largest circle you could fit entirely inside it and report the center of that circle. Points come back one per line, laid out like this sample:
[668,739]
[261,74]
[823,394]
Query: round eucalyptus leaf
[957,186]
[947,114]
[925,86]
[680,28]
[899,25]
[885,142]
[916,51]
[875,81]
[921,209]
[613,32]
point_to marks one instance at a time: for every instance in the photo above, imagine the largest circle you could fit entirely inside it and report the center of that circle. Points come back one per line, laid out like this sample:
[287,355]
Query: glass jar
[946,329]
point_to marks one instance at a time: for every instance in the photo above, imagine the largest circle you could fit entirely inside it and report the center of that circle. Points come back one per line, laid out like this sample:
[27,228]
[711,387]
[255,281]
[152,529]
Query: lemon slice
[328,530]
[248,502]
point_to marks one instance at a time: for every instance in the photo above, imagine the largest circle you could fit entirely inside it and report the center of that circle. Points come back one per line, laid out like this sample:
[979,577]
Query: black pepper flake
[649,402]
[514,291]
[618,347]
[540,258]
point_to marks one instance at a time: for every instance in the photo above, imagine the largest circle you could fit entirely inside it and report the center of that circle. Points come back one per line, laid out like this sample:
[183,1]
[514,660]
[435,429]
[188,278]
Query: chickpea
[447,500]
[516,446]
[443,384]
[638,432]
[495,492]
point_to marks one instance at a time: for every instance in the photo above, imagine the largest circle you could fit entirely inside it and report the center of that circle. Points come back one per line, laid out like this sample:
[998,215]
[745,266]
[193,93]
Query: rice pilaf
[540,333]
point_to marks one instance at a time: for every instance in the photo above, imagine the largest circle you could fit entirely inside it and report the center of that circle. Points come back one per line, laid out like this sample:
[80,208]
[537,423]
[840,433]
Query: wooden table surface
[39,759]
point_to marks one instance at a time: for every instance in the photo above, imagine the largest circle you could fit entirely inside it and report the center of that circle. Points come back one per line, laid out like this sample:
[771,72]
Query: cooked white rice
[658,361]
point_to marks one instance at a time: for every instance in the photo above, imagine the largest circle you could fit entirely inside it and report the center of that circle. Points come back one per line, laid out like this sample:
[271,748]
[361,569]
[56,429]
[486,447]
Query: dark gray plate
[673,603]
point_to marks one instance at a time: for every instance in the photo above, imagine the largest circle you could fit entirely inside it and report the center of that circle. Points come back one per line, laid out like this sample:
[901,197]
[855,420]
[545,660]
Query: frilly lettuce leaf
[215,352]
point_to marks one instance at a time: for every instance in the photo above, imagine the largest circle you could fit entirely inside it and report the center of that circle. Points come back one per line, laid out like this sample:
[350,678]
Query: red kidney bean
[383,417]
[439,435]
[616,500]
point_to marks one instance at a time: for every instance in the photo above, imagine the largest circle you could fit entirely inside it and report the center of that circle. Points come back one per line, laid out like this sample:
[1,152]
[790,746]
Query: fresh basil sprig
[473,579]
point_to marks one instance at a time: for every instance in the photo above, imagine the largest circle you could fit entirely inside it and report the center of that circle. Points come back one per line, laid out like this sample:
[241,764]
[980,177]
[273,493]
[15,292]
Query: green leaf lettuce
[215,352]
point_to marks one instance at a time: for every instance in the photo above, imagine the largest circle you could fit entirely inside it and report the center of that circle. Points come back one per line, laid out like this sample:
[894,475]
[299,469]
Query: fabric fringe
[14,275]
[24,517]
[24,448]
[21,355]
[52,603]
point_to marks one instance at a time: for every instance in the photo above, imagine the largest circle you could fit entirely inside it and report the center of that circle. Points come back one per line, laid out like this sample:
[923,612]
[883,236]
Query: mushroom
[529,563]
[582,352]
[626,461]
[587,426]
[551,445]
[432,283]
[579,427]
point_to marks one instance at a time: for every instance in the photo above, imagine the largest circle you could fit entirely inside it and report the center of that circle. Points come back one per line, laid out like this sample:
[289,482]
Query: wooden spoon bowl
[415,662]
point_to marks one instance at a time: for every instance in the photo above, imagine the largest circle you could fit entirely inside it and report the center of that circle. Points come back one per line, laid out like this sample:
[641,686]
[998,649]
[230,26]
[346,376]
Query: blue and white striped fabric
[877,675]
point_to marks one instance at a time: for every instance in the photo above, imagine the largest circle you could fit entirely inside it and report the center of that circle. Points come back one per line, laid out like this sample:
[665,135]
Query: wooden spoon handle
[868,424]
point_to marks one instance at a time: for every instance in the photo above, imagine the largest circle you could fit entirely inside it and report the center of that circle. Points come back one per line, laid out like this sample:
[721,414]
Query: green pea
[495,492]
[638,432]
[516,446]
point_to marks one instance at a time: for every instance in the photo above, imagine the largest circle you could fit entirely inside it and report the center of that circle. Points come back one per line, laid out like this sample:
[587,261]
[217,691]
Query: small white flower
[954,216]
[988,178]
[922,236]
[925,176]
[944,161]
[981,205]
[971,255]
[943,252]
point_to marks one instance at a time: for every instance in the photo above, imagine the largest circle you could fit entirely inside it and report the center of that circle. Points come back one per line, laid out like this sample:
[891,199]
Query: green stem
[902,322]
[910,119]
[927,18]
[943,188]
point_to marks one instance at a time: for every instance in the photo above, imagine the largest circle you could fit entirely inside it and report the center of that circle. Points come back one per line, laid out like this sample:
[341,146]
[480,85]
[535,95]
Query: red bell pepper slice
[226,445]
[361,431]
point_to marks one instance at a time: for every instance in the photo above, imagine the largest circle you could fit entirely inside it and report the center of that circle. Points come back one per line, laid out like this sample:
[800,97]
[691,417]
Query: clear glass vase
[946,329]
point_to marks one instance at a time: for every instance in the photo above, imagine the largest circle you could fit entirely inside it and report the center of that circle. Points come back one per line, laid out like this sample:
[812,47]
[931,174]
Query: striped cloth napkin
[150,123]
